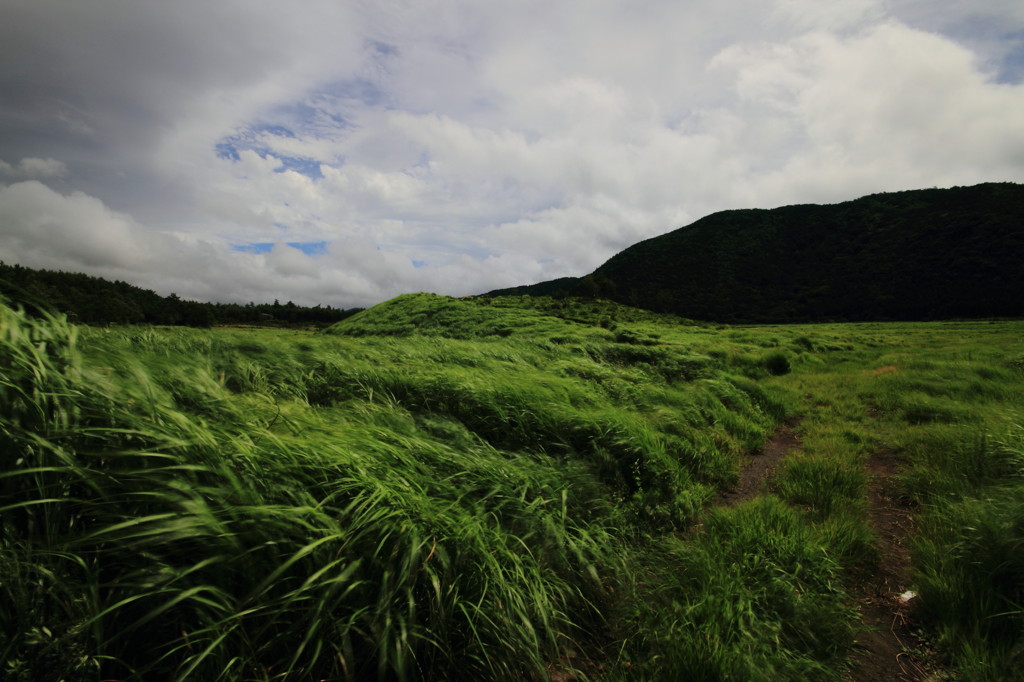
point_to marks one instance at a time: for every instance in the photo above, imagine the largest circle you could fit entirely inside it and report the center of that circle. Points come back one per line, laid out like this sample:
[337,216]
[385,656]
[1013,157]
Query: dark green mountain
[915,255]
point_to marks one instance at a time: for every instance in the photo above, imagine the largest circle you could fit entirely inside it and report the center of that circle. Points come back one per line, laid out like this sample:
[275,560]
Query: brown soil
[756,472]
[568,669]
[884,651]
[758,468]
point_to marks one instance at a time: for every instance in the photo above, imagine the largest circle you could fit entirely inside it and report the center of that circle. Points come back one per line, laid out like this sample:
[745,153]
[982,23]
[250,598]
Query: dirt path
[759,468]
[882,651]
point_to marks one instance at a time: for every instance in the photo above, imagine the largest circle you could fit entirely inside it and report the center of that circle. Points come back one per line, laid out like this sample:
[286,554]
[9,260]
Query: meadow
[500,489]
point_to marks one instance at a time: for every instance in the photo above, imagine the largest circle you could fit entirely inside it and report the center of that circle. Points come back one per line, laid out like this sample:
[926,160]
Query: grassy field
[439,489]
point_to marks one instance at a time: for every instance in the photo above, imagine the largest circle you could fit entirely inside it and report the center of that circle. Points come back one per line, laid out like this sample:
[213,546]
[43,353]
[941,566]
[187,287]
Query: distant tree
[93,300]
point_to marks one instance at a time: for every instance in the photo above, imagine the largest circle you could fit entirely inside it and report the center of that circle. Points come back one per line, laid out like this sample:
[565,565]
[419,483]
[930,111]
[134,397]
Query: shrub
[777,363]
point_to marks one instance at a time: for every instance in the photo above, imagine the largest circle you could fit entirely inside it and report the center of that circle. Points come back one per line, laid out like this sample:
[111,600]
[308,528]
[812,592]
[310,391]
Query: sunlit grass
[754,594]
[946,399]
[500,490]
[227,505]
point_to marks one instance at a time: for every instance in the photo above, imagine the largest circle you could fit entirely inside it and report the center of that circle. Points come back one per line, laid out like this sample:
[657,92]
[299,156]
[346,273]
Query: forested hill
[94,300]
[921,254]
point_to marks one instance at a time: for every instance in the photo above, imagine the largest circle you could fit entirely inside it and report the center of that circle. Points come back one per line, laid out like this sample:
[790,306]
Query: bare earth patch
[757,469]
[884,650]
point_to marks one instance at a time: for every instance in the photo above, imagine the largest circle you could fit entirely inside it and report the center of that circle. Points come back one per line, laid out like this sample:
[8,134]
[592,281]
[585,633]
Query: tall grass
[965,468]
[205,505]
[144,541]
[755,594]
[940,398]
[453,490]
[970,551]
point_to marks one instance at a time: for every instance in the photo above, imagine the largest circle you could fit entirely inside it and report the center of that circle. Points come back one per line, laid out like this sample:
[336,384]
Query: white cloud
[888,108]
[32,167]
[490,143]
[596,168]
[51,230]
[43,168]
[77,232]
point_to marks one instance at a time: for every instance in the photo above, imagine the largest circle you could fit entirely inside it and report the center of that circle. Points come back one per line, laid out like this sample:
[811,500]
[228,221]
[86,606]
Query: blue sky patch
[227,150]
[257,247]
[310,248]
[1011,70]
[279,131]
[300,164]
[259,138]
[382,48]
[360,89]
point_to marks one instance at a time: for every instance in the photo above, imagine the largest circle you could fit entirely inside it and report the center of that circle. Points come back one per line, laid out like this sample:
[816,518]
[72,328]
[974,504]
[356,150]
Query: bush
[777,364]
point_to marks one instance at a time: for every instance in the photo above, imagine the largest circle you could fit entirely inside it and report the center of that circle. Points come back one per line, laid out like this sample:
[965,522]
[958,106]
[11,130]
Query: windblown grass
[210,505]
[947,399]
[494,489]
[754,594]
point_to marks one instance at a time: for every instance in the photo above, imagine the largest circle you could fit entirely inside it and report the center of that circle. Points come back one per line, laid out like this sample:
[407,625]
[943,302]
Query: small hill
[433,315]
[480,317]
[914,255]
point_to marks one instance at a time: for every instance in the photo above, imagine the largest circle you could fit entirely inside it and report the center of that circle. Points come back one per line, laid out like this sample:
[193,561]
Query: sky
[342,152]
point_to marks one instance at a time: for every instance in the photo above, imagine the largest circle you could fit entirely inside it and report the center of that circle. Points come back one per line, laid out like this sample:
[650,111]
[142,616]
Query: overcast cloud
[346,151]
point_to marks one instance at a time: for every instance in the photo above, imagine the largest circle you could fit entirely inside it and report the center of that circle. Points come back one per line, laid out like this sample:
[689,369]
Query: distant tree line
[93,300]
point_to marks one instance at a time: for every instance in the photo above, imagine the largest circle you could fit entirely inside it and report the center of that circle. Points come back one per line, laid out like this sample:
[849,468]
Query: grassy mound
[430,314]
